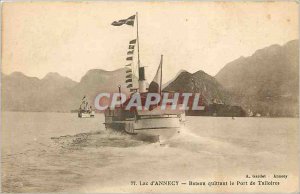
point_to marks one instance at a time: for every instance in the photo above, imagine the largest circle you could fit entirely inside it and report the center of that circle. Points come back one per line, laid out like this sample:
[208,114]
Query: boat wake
[186,140]
[189,141]
[107,138]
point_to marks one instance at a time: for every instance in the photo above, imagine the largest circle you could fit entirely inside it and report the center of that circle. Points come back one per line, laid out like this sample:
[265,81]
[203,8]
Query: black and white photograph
[149,96]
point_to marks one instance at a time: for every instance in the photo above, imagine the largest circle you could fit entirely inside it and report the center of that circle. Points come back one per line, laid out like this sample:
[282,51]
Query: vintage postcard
[150,96]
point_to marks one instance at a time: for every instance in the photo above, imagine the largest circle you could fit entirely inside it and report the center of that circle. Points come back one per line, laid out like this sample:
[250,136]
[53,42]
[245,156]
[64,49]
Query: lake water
[58,152]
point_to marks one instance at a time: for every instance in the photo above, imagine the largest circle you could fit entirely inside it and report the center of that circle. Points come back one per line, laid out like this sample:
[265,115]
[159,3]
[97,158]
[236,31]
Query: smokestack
[142,80]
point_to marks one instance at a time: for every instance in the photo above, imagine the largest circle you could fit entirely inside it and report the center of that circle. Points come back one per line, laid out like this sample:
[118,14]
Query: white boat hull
[158,127]
[86,115]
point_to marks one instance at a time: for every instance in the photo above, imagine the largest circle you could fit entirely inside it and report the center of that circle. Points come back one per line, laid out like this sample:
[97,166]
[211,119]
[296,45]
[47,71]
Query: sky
[73,37]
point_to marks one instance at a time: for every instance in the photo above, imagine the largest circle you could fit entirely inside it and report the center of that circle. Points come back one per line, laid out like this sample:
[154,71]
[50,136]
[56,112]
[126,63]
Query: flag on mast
[132,41]
[130,52]
[129,58]
[128,81]
[129,21]
[155,85]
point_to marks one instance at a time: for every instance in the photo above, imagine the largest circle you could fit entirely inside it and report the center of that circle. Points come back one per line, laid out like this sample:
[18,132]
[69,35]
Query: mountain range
[266,82]
[55,92]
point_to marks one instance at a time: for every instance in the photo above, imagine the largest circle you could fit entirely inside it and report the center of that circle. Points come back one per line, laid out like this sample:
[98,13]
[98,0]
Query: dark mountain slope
[266,82]
[199,82]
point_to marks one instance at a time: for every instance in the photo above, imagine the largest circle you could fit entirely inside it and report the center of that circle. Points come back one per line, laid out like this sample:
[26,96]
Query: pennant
[128,81]
[129,21]
[131,17]
[130,52]
[154,86]
[128,64]
[131,47]
[129,58]
[129,76]
[129,85]
[128,71]
[132,41]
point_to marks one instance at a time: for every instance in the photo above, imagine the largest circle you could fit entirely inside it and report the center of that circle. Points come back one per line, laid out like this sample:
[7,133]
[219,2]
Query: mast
[119,86]
[160,84]
[138,41]
[141,70]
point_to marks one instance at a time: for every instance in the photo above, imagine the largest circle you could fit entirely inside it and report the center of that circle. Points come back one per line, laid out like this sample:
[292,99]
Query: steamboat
[85,111]
[153,121]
